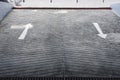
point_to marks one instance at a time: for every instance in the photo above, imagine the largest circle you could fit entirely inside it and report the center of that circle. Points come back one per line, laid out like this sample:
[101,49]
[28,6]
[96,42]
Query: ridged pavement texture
[60,44]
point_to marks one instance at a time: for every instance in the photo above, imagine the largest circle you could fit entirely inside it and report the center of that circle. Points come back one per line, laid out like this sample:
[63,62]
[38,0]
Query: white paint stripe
[61,11]
[35,10]
[101,34]
[18,26]
[24,33]
[98,28]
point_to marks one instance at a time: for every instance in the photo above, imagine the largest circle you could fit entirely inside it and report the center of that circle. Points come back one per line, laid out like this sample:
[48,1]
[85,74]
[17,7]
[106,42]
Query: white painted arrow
[27,27]
[101,34]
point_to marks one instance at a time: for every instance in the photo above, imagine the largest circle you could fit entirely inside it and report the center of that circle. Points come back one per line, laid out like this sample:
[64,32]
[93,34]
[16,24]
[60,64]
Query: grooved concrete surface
[60,44]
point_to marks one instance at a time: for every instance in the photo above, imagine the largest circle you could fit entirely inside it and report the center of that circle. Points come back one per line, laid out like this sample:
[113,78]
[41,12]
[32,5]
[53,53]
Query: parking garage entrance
[59,42]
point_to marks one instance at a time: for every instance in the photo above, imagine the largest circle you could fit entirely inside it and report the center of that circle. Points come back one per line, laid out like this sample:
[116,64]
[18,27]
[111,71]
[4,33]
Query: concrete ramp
[5,8]
[116,8]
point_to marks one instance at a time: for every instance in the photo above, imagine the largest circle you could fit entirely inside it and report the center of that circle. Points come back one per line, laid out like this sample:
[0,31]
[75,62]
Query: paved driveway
[60,43]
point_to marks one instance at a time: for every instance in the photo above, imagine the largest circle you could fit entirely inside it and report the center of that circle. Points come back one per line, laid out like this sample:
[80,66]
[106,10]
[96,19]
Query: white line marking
[101,34]
[61,11]
[24,33]
[98,28]
[18,26]
[35,10]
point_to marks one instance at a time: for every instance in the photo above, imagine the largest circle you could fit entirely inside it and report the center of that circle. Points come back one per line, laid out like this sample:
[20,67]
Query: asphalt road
[61,43]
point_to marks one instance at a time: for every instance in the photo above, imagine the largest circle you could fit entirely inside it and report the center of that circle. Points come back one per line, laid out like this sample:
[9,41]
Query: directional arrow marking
[27,27]
[101,34]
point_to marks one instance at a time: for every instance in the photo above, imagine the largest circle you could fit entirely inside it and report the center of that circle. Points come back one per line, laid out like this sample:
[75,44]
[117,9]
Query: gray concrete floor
[61,43]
